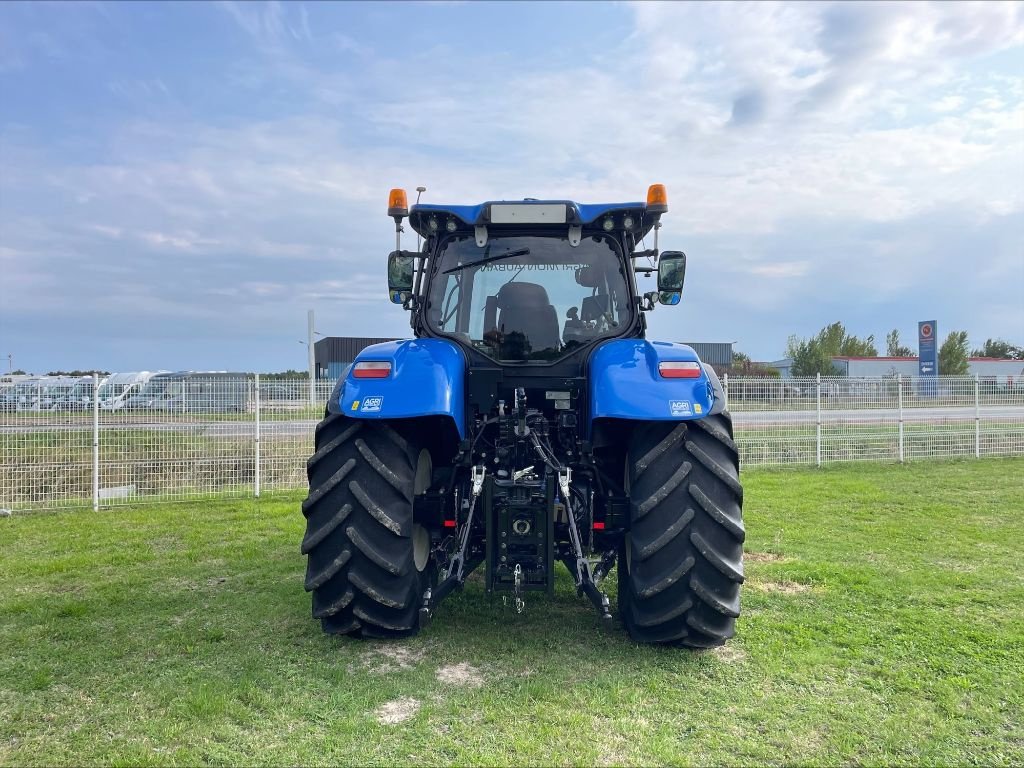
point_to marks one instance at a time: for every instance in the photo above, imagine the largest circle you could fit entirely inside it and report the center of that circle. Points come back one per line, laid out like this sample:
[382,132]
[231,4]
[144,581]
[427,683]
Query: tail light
[679,370]
[371,369]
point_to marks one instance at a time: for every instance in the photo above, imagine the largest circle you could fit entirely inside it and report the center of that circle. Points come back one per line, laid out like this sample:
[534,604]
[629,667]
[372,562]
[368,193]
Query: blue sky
[180,182]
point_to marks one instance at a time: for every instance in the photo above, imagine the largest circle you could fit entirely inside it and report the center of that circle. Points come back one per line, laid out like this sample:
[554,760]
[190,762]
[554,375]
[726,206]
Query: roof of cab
[582,214]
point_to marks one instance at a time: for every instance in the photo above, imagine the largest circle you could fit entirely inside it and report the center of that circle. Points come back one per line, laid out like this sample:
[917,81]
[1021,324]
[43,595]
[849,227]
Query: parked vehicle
[153,393]
[28,393]
[530,422]
[119,387]
[79,398]
[194,392]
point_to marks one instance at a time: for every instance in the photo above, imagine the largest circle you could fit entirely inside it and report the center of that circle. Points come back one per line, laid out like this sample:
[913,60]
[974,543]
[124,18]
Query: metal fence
[242,435]
[821,420]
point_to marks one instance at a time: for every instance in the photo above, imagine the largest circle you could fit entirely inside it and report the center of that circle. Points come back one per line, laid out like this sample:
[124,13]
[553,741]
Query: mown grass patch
[881,624]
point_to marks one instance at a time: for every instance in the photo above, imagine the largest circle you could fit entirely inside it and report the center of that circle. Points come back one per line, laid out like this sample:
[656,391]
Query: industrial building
[332,354]
[1003,372]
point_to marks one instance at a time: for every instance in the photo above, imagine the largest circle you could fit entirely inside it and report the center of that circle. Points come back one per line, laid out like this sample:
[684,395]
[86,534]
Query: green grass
[45,468]
[882,623]
[55,468]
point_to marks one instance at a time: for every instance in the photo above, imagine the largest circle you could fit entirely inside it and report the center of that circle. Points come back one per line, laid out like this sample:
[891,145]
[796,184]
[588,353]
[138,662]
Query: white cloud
[772,126]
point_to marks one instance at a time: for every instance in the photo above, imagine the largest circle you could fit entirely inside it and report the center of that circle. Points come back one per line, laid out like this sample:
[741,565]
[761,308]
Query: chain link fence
[206,434]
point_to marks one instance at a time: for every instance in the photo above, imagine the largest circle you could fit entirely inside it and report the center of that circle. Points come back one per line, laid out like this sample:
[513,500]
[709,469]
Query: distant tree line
[78,373]
[998,348]
[291,373]
[814,355]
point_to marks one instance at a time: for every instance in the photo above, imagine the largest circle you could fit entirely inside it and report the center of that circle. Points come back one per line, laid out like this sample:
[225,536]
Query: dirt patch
[610,744]
[397,711]
[728,654]
[780,587]
[461,674]
[164,544]
[389,657]
[763,557]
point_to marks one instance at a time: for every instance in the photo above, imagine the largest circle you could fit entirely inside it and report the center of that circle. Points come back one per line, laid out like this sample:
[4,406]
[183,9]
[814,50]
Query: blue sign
[927,356]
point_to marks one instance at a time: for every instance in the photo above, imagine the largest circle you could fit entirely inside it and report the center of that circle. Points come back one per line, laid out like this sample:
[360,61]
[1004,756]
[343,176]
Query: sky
[180,182]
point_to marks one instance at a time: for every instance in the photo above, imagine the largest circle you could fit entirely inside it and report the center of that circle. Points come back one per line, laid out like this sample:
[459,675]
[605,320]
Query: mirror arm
[417,266]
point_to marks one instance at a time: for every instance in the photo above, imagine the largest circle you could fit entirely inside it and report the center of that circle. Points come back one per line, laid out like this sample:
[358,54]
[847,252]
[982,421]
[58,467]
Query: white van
[56,389]
[121,386]
[79,398]
[30,394]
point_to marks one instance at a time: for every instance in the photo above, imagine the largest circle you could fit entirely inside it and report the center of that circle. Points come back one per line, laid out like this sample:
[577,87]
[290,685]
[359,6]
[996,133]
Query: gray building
[333,354]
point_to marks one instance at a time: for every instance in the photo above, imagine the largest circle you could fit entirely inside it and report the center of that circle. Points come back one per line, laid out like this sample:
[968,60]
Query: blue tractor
[528,422]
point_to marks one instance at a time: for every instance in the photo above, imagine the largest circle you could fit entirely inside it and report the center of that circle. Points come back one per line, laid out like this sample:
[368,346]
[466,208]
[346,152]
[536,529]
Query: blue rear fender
[427,379]
[625,383]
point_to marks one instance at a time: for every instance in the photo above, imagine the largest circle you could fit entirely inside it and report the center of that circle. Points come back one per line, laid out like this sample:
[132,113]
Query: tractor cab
[530,282]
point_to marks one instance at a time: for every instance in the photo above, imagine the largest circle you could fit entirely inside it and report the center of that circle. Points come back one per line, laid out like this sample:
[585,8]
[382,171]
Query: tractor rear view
[529,422]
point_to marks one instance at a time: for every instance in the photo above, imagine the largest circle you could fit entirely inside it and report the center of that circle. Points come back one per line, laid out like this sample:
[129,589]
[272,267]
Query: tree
[814,355]
[998,348]
[953,355]
[291,373]
[893,346]
[742,365]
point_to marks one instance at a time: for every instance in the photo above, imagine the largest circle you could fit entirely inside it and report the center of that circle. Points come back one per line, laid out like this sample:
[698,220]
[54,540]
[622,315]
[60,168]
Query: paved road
[299,428]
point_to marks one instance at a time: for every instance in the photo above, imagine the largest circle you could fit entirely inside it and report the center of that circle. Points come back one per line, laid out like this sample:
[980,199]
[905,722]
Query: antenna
[419,191]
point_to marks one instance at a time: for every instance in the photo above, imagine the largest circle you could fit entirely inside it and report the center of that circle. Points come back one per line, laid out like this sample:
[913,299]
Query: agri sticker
[372,404]
[679,407]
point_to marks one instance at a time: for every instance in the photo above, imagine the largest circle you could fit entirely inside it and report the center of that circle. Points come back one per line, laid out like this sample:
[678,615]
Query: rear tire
[365,567]
[681,565]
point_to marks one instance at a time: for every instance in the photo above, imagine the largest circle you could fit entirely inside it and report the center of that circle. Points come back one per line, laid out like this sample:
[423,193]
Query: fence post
[977,418]
[95,442]
[256,482]
[817,441]
[899,400]
[725,388]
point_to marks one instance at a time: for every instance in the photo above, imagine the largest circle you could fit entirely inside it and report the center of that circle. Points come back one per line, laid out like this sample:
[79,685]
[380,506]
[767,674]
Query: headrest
[588,276]
[522,295]
[593,307]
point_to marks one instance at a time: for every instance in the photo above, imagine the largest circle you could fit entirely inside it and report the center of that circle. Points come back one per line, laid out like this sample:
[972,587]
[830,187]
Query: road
[930,415]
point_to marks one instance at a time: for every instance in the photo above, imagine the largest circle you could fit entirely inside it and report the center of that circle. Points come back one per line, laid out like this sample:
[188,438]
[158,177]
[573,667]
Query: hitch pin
[564,478]
[477,474]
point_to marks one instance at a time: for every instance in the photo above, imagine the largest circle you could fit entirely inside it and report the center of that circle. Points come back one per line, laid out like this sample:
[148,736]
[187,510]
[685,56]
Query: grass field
[882,623]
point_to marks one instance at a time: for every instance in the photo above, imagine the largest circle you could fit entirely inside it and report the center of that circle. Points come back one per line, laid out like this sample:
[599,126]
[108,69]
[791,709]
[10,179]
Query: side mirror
[671,276]
[401,270]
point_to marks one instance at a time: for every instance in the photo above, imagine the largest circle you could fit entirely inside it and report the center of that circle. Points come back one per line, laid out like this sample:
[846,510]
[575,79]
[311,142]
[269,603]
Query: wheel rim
[627,540]
[420,546]
[420,535]
[424,472]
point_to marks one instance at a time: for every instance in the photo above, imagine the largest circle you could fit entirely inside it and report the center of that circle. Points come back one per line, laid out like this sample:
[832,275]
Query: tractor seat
[593,307]
[525,308]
